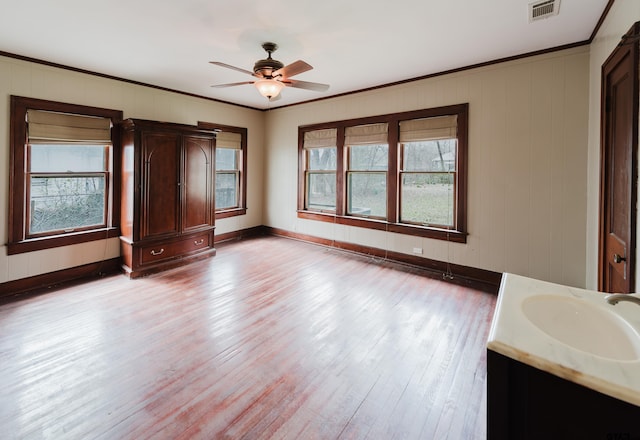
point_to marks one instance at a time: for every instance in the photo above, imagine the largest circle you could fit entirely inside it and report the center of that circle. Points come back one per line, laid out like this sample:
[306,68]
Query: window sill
[225,213]
[38,244]
[381,225]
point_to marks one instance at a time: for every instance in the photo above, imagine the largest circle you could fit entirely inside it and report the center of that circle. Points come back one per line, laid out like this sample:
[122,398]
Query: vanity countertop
[513,335]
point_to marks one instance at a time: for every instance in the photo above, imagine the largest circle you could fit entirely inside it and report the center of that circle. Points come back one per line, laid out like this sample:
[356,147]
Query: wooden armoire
[167,195]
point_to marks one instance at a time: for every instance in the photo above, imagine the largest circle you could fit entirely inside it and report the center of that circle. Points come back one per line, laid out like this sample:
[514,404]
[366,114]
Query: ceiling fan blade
[229,66]
[232,84]
[318,87]
[292,69]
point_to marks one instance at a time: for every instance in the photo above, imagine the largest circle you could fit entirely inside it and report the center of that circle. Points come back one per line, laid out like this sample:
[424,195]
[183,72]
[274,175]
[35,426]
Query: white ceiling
[352,44]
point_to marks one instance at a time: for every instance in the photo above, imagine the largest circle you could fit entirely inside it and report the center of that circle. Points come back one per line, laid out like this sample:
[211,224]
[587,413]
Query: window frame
[19,241]
[458,233]
[241,209]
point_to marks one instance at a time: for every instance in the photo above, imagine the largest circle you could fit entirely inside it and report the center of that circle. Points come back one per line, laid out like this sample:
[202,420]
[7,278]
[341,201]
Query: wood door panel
[619,169]
[160,184]
[197,190]
[620,153]
[619,179]
[616,269]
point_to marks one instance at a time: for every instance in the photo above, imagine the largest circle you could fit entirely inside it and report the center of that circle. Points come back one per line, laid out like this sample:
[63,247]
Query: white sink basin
[583,326]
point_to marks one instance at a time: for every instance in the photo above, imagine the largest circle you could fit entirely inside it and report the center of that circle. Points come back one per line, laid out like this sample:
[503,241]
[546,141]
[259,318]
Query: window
[320,156]
[403,172]
[367,165]
[61,188]
[67,188]
[227,170]
[231,165]
[428,171]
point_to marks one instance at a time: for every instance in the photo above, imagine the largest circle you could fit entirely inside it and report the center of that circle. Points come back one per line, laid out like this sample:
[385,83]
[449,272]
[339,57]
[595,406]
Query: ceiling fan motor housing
[266,67]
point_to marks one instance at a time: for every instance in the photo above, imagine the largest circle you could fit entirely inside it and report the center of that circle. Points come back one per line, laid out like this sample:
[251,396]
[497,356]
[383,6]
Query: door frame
[628,43]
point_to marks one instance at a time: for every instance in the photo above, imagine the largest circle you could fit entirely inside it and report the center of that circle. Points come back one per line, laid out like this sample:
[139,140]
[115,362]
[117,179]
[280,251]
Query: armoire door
[197,190]
[160,185]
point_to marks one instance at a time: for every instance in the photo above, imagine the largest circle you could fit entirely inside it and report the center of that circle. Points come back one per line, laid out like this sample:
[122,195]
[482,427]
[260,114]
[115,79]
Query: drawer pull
[198,242]
[153,252]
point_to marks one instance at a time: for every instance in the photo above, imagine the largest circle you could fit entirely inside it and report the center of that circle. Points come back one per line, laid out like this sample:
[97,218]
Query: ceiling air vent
[543,9]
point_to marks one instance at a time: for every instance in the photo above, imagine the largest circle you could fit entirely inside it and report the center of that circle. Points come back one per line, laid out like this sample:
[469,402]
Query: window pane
[66,203]
[367,194]
[427,198]
[430,155]
[226,159]
[322,158]
[226,190]
[321,191]
[68,158]
[368,157]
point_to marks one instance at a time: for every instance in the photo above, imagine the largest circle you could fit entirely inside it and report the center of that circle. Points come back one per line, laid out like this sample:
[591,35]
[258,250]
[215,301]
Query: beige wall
[533,159]
[620,18]
[527,194]
[37,81]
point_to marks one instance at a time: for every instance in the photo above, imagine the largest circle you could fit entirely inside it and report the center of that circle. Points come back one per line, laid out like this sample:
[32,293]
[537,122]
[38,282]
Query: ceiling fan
[273,75]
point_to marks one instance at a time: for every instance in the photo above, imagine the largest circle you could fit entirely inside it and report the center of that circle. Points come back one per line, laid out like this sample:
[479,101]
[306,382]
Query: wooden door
[197,191]
[618,188]
[160,184]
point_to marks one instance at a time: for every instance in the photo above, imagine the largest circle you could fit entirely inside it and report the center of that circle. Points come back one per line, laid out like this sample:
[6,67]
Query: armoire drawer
[174,249]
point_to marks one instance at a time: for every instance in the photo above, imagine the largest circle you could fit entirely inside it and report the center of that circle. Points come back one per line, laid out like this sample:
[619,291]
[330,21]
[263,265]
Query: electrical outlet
[417,251]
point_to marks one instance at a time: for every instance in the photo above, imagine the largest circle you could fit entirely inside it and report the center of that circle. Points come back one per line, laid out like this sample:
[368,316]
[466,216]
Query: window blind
[321,138]
[52,127]
[227,139]
[366,134]
[429,129]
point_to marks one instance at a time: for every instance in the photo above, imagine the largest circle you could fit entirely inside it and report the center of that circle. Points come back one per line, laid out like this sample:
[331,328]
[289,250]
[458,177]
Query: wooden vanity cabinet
[524,403]
[167,195]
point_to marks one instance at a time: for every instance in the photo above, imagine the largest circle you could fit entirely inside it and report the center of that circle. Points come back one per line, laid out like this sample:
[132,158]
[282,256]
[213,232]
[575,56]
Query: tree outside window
[321,178]
[367,180]
[427,183]
[68,186]
[227,178]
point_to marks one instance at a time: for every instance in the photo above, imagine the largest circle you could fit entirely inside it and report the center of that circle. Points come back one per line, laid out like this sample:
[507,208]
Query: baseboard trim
[230,237]
[480,279]
[58,278]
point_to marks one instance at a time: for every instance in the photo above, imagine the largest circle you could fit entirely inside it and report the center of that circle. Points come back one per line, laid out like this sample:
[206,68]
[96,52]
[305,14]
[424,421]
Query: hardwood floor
[272,338]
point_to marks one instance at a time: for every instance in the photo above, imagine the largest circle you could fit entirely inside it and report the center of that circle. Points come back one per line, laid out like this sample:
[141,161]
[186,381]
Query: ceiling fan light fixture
[269,88]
